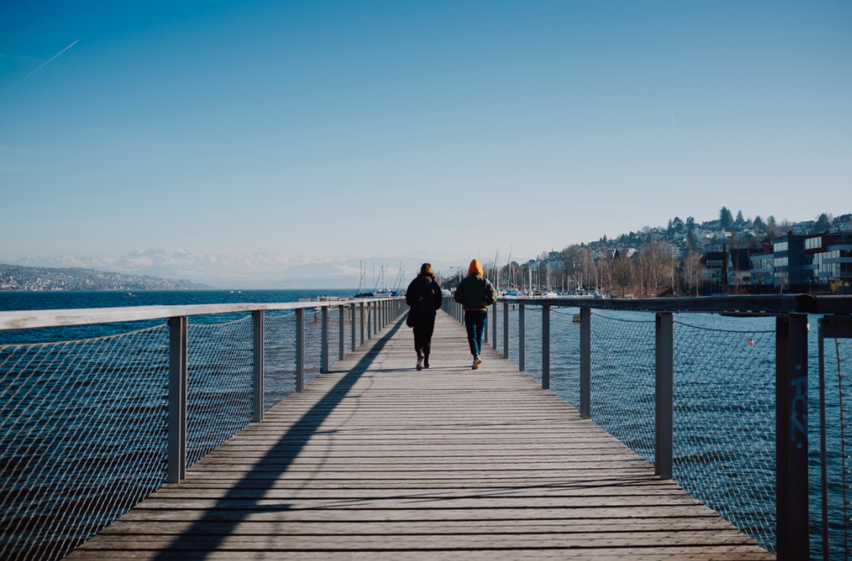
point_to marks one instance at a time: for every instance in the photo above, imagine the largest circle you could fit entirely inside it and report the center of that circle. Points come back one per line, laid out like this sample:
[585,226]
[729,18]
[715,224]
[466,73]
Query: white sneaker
[476,362]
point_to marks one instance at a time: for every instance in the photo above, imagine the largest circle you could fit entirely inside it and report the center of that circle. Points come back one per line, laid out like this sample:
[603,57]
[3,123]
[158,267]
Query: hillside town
[729,255]
[16,278]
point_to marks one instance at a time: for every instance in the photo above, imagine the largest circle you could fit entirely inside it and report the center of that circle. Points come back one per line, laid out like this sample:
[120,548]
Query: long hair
[427,271]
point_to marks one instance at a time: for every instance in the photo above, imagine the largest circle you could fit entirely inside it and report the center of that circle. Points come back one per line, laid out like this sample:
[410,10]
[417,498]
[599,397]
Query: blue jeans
[474,321]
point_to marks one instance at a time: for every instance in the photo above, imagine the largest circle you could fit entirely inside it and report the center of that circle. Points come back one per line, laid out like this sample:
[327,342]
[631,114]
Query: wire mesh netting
[724,419]
[279,358]
[219,384]
[838,414]
[623,378]
[82,437]
[565,354]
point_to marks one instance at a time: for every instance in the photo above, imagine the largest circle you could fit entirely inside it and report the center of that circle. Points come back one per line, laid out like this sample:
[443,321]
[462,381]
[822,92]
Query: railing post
[342,333]
[300,349]
[494,326]
[505,330]
[488,319]
[324,341]
[791,432]
[257,366]
[361,314]
[522,336]
[545,347]
[664,421]
[177,399]
[352,317]
[585,363]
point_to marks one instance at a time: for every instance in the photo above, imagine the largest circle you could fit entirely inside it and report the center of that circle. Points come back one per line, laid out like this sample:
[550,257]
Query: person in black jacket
[424,297]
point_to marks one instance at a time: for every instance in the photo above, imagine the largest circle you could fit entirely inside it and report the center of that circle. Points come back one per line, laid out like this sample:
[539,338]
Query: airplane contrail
[40,67]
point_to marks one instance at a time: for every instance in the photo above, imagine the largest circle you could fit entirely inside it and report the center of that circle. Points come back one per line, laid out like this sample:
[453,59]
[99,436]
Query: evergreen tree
[692,241]
[690,224]
[725,217]
[758,223]
[740,216]
[823,224]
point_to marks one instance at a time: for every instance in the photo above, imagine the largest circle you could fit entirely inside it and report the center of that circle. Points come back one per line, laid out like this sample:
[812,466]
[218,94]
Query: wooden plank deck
[375,460]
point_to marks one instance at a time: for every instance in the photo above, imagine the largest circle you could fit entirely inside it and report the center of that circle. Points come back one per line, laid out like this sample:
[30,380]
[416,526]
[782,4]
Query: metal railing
[702,402]
[89,428]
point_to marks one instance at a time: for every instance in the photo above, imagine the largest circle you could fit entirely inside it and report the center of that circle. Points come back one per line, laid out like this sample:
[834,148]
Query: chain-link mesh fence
[82,437]
[83,424]
[219,384]
[623,378]
[279,358]
[565,354]
[838,415]
[723,402]
[724,423]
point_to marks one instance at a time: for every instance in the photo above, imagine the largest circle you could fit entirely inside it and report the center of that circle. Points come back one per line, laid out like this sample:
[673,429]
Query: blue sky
[382,128]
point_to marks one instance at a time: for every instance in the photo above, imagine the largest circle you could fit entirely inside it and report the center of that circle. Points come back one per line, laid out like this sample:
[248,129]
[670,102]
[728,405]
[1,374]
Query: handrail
[29,319]
[767,304]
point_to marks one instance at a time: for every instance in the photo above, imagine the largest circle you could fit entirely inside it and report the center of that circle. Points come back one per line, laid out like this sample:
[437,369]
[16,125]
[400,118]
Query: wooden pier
[375,460]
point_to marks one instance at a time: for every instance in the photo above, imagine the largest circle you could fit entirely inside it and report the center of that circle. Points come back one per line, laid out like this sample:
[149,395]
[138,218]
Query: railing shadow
[294,439]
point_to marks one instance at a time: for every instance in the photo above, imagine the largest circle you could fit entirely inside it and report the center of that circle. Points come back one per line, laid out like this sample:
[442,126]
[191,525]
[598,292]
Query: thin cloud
[40,67]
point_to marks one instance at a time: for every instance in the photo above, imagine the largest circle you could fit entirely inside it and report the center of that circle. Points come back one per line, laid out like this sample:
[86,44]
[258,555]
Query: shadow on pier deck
[377,461]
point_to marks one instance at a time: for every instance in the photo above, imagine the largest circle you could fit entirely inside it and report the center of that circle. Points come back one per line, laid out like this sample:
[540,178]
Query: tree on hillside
[623,272]
[690,224]
[693,272]
[758,223]
[823,224]
[740,216]
[692,241]
[725,217]
[771,225]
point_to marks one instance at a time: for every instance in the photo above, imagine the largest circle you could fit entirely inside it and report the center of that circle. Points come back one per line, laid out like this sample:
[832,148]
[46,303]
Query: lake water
[724,398]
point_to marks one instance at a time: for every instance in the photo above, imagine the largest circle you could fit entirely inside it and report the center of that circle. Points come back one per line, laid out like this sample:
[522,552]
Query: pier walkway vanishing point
[375,460]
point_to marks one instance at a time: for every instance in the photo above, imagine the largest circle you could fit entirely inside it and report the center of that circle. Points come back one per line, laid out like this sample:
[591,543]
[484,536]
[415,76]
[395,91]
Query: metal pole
[823,453]
[791,433]
[505,330]
[545,347]
[522,336]
[342,333]
[664,420]
[177,399]
[494,326]
[257,366]
[369,320]
[352,317]
[585,363]
[487,320]
[361,314]
[324,341]
[300,349]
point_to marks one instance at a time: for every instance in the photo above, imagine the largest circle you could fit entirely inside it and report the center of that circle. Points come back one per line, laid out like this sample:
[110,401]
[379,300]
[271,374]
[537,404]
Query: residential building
[762,266]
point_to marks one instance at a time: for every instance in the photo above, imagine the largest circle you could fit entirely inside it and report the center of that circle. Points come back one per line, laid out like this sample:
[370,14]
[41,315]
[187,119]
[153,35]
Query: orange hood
[475,268]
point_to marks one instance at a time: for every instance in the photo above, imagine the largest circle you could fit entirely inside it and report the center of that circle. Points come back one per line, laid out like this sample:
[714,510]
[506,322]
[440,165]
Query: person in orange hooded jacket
[475,294]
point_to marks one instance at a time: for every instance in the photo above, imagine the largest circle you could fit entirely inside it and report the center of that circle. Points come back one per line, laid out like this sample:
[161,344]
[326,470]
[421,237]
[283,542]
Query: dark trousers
[424,325]
[474,321]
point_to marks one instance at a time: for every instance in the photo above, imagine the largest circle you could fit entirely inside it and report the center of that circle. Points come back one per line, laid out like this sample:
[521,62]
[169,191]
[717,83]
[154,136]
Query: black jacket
[425,293]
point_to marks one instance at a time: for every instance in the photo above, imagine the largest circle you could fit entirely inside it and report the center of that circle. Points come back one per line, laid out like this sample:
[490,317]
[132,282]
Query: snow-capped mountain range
[258,270]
